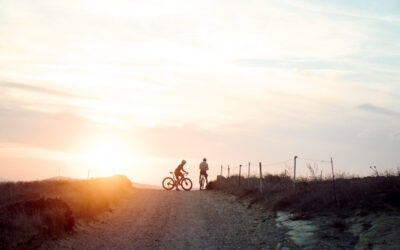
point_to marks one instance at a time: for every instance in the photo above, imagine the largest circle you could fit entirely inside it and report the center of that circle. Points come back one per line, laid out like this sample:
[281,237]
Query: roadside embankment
[355,213]
[32,212]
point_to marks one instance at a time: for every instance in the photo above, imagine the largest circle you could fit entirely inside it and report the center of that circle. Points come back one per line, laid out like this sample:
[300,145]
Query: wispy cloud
[396,136]
[40,129]
[301,63]
[371,10]
[379,110]
[39,90]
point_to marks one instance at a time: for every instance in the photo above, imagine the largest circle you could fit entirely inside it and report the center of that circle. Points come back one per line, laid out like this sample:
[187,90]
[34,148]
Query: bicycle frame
[175,179]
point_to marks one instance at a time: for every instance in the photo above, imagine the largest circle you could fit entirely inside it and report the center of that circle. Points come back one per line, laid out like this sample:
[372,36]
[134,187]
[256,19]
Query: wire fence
[296,167]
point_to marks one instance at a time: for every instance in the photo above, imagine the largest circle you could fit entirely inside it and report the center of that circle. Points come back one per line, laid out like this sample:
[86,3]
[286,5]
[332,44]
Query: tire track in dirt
[154,219]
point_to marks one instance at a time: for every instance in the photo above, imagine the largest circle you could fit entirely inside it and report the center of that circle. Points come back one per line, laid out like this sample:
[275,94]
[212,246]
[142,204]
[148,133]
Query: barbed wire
[314,160]
[236,166]
[276,163]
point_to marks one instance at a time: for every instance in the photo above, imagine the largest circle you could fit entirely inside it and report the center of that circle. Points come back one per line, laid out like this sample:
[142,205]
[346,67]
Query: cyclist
[203,170]
[178,173]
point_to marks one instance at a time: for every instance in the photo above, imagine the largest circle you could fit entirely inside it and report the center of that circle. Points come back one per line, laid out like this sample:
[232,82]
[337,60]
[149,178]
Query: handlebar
[183,173]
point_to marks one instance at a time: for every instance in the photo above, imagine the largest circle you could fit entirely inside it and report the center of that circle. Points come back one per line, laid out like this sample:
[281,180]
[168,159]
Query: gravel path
[155,219]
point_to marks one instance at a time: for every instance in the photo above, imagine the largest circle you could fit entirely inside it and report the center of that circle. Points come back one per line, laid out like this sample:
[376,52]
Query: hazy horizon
[134,87]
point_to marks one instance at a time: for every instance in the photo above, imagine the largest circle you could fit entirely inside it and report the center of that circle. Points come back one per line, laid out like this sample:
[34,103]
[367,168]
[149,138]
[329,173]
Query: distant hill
[59,178]
[3,180]
[144,186]
[134,184]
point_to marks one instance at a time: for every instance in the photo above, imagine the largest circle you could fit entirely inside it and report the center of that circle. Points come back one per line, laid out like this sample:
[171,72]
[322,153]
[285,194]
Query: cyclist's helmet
[183,161]
[204,159]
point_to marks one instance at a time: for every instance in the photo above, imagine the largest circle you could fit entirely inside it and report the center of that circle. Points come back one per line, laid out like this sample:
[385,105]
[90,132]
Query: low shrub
[27,223]
[314,196]
[32,212]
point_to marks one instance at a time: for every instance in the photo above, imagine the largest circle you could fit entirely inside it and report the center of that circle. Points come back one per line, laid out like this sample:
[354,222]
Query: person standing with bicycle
[178,173]
[203,170]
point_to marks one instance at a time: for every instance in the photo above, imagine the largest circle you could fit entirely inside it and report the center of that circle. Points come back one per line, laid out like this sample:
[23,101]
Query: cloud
[379,110]
[38,129]
[41,90]
[371,10]
[365,133]
[395,136]
[301,63]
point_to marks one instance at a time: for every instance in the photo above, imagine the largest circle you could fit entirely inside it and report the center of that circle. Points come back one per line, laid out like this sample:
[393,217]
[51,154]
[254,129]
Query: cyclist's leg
[178,176]
[201,180]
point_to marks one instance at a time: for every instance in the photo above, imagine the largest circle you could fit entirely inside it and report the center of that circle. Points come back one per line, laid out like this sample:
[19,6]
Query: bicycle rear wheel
[186,184]
[202,183]
[168,183]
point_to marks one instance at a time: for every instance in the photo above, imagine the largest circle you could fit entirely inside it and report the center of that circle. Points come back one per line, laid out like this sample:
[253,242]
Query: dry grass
[31,212]
[316,196]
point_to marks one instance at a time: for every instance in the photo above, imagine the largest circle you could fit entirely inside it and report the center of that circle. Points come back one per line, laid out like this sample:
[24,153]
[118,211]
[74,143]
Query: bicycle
[202,182]
[169,183]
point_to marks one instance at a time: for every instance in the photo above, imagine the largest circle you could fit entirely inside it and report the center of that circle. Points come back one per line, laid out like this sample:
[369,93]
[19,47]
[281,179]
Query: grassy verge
[317,196]
[32,212]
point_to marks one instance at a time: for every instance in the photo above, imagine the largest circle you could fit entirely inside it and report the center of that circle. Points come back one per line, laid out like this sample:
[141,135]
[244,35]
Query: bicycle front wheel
[168,183]
[186,184]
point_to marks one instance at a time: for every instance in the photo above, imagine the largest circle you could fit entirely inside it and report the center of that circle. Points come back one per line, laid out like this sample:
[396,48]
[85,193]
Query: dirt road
[155,219]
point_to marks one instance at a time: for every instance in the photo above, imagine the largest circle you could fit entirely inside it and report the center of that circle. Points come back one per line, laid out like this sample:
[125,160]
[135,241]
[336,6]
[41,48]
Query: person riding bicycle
[178,173]
[203,170]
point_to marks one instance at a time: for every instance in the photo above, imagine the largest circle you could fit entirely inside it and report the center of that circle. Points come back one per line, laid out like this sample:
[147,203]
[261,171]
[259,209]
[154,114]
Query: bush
[30,222]
[317,195]
[32,212]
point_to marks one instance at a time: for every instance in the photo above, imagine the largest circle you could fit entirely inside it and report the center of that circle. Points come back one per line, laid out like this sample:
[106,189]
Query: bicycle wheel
[202,183]
[186,184]
[168,183]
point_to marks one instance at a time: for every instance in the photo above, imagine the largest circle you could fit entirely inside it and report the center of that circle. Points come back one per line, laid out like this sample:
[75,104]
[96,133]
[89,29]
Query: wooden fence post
[221,170]
[260,178]
[228,171]
[294,174]
[240,172]
[333,180]
[248,176]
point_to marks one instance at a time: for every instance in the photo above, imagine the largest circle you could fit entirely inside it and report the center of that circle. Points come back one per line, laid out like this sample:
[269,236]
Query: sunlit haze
[133,87]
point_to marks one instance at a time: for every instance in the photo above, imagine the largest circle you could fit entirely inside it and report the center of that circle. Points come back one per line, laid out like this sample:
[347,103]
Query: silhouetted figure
[178,173]
[203,169]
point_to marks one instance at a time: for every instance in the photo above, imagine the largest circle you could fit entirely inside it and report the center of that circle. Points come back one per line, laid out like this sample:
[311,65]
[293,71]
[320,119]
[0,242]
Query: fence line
[308,159]
[261,164]
[261,177]
[276,163]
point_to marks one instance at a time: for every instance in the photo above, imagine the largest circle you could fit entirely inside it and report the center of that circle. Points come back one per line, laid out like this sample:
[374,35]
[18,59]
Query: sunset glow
[134,87]
[108,160]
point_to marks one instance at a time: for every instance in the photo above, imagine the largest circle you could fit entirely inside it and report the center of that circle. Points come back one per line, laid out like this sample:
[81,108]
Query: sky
[134,87]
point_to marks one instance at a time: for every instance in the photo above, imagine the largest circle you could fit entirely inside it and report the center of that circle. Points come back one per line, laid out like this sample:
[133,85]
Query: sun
[108,160]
